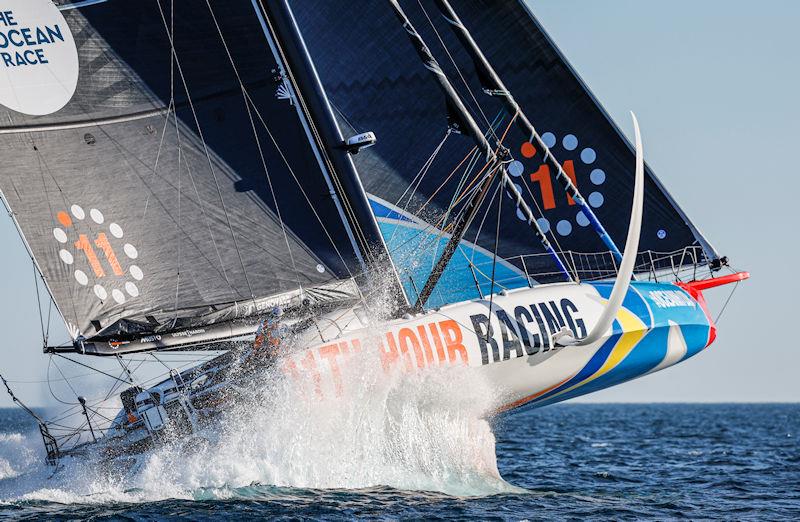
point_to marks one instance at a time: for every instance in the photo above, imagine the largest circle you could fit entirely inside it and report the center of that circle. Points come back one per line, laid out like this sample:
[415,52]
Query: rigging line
[39,303]
[90,367]
[471,261]
[423,170]
[206,219]
[114,387]
[180,157]
[472,153]
[180,237]
[728,300]
[473,157]
[246,99]
[65,380]
[457,68]
[98,414]
[302,190]
[472,184]
[271,188]
[483,221]
[154,170]
[444,229]
[44,381]
[334,176]
[206,151]
[552,233]
[117,384]
[44,167]
[416,182]
[19,402]
[49,320]
[159,360]
[478,175]
[494,256]
[480,271]
[126,369]
[468,171]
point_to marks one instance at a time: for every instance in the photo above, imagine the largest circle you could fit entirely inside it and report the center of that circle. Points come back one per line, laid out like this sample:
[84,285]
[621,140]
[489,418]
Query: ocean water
[571,461]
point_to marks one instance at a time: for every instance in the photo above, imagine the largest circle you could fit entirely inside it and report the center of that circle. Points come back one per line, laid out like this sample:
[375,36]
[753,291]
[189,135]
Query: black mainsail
[369,76]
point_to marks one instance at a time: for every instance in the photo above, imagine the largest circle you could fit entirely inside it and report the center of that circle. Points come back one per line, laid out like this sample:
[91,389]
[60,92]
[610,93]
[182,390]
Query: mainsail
[178,189]
[376,83]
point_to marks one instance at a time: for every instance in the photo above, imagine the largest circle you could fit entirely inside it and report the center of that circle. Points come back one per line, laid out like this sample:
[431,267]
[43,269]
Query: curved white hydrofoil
[628,263]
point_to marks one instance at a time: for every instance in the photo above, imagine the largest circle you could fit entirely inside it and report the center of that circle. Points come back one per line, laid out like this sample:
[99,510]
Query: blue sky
[716,87]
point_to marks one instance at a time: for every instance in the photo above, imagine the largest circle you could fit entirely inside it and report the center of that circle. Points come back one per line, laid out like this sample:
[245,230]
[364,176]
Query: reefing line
[628,263]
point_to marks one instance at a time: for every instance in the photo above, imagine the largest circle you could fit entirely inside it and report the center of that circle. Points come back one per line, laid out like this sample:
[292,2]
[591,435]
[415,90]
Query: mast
[324,132]
[494,86]
[466,124]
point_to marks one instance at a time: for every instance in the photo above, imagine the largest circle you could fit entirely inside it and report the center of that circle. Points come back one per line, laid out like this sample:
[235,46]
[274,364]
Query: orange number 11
[102,243]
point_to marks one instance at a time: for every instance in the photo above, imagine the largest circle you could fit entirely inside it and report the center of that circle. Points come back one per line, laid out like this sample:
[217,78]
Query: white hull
[658,325]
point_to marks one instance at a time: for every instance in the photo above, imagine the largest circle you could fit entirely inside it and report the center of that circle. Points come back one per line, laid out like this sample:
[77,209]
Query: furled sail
[377,83]
[177,189]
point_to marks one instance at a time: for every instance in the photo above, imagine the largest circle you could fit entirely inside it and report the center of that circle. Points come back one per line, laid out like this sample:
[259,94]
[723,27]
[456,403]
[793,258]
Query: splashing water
[408,430]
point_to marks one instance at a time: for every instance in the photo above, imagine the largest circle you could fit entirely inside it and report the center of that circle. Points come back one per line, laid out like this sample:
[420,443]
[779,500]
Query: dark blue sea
[576,462]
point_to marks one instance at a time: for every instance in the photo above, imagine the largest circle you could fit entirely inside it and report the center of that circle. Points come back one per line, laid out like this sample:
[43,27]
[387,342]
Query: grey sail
[178,190]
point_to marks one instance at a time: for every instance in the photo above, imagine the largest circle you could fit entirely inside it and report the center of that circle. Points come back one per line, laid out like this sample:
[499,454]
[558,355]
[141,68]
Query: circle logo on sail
[38,57]
[95,257]
[546,180]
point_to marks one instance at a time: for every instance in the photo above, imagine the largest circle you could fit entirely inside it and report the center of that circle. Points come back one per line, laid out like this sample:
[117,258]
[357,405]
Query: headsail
[369,77]
[177,188]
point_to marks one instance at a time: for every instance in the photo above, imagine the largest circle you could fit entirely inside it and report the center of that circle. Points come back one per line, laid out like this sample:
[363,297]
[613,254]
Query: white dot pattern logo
[60,235]
[66,256]
[575,155]
[77,211]
[570,142]
[81,277]
[137,273]
[94,254]
[97,216]
[544,224]
[516,168]
[598,176]
[596,199]
[115,230]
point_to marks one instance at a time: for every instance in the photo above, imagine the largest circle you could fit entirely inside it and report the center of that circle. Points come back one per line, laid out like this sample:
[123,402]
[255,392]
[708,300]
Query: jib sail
[177,188]
[377,83]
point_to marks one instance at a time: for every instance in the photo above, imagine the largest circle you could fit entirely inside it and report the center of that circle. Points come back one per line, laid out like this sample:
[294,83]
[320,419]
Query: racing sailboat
[234,178]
